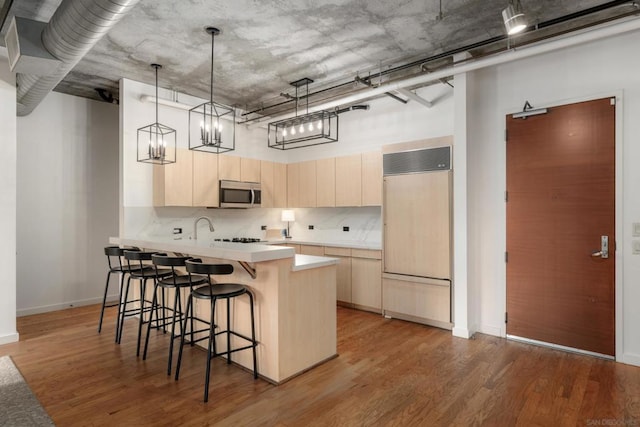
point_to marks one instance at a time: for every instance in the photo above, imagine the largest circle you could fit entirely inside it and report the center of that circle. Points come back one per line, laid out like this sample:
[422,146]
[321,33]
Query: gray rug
[18,406]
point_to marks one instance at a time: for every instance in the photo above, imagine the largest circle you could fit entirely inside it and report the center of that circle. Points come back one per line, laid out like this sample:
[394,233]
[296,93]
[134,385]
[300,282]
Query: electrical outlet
[635,245]
[345,228]
[177,230]
[636,229]
[263,227]
[311,227]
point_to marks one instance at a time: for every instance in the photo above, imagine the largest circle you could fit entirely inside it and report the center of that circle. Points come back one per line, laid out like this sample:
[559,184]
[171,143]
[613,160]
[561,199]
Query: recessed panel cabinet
[293,185]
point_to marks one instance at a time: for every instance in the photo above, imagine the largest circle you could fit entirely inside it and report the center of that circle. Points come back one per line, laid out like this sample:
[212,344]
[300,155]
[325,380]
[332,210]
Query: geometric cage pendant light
[212,125]
[156,142]
[305,130]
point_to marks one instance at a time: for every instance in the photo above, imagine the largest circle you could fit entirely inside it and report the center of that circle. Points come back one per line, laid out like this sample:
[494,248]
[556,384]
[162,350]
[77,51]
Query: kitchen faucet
[195,226]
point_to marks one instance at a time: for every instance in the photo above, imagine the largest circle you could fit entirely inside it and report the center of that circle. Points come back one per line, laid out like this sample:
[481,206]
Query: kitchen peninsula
[295,301]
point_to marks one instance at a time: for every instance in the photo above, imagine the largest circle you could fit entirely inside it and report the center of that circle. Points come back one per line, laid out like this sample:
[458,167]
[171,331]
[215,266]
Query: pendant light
[212,125]
[156,142]
[320,127]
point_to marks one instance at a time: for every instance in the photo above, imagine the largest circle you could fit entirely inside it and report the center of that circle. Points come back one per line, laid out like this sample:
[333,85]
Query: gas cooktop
[241,240]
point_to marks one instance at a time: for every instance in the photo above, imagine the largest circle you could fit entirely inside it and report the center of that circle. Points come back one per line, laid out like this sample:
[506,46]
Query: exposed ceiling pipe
[593,34]
[75,27]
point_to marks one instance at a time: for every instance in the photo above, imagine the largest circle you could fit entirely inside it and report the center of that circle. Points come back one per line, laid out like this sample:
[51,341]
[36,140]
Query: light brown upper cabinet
[173,183]
[267,184]
[372,178]
[228,167]
[293,184]
[326,182]
[273,178]
[206,190]
[307,187]
[349,180]
[249,170]
[280,185]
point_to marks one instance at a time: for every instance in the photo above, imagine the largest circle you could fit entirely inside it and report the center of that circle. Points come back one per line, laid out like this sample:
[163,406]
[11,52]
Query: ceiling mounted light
[212,125]
[156,142]
[320,127]
[513,18]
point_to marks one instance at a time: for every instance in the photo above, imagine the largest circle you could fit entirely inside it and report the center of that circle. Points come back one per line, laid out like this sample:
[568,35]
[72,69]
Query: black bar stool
[145,272]
[114,259]
[213,292]
[177,282]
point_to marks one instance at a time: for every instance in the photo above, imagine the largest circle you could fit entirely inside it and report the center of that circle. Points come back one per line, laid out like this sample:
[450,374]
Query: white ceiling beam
[415,97]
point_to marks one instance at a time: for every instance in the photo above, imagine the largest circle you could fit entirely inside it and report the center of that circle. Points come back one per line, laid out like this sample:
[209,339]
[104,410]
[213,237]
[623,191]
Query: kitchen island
[295,301]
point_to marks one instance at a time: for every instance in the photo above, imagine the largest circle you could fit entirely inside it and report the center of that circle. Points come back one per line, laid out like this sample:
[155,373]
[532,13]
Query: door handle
[604,248]
[253,197]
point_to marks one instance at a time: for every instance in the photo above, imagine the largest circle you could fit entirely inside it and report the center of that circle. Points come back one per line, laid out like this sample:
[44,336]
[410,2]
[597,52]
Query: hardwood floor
[389,372]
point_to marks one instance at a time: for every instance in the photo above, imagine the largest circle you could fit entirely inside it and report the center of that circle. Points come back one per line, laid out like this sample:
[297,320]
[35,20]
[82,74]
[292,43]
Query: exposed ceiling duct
[75,27]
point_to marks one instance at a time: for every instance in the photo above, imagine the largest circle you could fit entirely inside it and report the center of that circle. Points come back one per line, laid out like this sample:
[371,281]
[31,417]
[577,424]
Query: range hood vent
[415,161]
[27,55]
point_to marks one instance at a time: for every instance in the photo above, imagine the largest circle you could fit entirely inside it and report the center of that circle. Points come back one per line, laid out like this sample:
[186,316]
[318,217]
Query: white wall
[67,201]
[8,332]
[599,69]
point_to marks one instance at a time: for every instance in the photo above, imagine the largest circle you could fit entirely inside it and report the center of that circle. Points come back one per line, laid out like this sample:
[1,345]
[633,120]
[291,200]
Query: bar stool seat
[213,292]
[114,260]
[146,271]
[175,281]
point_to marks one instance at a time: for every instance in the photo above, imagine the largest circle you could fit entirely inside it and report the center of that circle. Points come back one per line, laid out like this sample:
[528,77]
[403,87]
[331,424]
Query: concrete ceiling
[265,45]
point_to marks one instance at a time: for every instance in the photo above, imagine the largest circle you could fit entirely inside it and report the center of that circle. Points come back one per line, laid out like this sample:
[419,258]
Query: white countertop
[305,262]
[247,252]
[353,245]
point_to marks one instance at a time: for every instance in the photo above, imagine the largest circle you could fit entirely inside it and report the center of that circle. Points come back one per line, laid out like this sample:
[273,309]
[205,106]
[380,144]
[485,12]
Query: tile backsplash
[363,223]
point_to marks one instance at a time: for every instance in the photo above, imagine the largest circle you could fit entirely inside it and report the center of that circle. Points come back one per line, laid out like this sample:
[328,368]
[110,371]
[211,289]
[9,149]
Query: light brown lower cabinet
[312,250]
[343,279]
[417,299]
[359,275]
[366,280]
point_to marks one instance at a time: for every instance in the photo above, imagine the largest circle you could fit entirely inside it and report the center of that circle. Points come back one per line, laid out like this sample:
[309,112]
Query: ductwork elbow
[75,27]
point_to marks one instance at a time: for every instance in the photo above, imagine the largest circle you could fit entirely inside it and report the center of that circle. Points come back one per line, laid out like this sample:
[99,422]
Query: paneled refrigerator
[416,281]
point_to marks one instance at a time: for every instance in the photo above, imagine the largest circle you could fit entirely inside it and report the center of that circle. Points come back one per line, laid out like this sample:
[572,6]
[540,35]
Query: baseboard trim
[9,338]
[496,331]
[62,306]
[461,332]
[630,359]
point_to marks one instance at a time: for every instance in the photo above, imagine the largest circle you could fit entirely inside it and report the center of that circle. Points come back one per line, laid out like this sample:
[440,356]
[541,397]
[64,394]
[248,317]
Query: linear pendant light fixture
[212,125]
[513,18]
[156,142]
[320,127]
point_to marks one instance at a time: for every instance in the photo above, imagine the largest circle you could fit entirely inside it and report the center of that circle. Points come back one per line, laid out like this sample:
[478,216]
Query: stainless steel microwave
[236,194]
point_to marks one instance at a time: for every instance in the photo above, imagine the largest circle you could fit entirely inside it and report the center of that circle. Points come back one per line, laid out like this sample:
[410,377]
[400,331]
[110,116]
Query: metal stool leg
[154,301]
[176,300]
[253,337]
[228,331]
[123,310]
[104,300]
[188,314]
[212,343]
[142,295]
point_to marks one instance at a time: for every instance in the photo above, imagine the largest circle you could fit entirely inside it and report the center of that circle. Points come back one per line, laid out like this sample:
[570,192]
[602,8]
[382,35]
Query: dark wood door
[561,200]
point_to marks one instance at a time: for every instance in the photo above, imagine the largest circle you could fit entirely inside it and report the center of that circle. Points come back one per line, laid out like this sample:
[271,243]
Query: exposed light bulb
[284,132]
[310,127]
[319,124]
[293,130]
[301,130]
